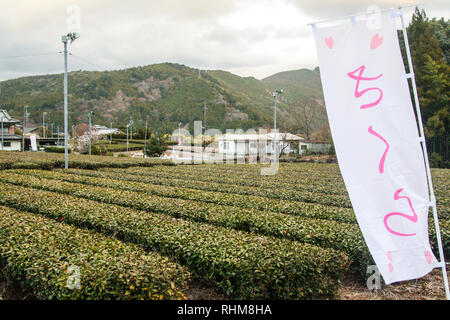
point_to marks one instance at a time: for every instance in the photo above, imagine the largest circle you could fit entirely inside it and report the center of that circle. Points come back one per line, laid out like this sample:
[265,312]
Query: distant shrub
[123,155]
[56,149]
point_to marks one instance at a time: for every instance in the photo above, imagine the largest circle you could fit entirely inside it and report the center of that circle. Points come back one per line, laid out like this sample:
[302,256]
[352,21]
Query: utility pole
[26,118]
[2,132]
[275,94]
[43,124]
[90,131]
[204,120]
[24,127]
[110,138]
[52,129]
[57,135]
[73,136]
[131,128]
[72,37]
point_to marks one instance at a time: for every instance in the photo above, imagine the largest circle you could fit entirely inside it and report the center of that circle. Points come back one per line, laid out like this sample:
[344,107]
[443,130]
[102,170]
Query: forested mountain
[165,94]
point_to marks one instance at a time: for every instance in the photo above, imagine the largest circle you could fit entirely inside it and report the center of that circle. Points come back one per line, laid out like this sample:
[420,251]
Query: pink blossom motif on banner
[390,265]
[412,218]
[376,41]
[329,42]
[360,78]
[428,256]
[383,157]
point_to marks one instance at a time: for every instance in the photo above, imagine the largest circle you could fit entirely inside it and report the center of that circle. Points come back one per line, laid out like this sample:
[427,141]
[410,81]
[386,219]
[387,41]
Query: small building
[9,141]
[245,144]
[314,147]
[32,130]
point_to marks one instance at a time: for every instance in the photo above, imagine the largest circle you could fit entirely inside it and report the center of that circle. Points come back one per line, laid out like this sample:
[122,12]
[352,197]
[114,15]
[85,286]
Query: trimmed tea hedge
[281,194]
[123,181]
[47,161]
[38,252]
[325,233]
[329,193]
[239,264]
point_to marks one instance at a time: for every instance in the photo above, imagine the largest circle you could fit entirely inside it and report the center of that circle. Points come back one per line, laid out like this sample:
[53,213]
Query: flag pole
[425,154]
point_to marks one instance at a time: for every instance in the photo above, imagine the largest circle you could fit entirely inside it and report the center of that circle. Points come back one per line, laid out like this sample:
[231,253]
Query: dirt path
[429,287]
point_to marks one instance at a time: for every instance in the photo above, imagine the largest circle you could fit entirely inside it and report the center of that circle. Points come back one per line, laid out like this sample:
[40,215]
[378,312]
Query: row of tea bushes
[309,179]
[309,194]
[293,181]
[281,194]
[240,264]
[123,181]
[324,233]
[340,236]
[179,190]
[47,161]
[311,189]
[42,255]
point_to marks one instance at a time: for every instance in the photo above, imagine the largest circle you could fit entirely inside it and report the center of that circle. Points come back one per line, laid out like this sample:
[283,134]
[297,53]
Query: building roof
[284,136]
[256,137]
[4,115]
[31,129]
[10,137]
[105,130]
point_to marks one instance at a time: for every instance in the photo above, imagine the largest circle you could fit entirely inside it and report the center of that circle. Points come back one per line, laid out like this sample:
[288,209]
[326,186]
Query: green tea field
[138,230]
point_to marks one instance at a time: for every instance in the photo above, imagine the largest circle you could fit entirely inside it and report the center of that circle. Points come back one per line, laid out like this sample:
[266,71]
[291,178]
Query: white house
[245,144]
[9,141]
[103,130]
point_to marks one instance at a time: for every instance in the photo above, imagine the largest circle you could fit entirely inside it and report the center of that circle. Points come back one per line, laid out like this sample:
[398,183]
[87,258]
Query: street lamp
[128,125]
[72,36]
[131,128]
[90,130]
[275,95]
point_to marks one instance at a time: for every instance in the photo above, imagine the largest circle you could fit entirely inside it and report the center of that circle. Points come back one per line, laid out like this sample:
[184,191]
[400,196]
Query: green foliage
[38,252]
[156,146]
[329,234]
[48,161]
[225,223]
[429,44]
[165,94]
[56,149]
[240,264]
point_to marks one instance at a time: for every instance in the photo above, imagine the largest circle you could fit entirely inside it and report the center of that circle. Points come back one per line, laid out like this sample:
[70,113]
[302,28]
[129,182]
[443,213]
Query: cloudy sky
[247,37]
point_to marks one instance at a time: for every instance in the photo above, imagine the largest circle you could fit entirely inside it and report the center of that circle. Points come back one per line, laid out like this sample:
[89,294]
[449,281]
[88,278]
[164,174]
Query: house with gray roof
[9,141]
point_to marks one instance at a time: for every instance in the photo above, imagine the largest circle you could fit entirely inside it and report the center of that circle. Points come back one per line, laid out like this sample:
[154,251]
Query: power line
[29,55]
[86,61]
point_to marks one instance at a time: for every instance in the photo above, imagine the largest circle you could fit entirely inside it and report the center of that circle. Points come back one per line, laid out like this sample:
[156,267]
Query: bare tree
[305,113]
[283,143]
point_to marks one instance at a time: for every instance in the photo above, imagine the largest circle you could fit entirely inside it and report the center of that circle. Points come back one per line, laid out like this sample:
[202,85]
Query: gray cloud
[247,37]
[332,8]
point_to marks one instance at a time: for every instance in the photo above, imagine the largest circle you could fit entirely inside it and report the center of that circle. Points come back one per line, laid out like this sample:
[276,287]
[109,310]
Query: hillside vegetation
[165,94]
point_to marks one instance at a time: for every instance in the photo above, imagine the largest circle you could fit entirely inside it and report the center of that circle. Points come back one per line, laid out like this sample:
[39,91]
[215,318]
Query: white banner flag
[377,143]
[33,142]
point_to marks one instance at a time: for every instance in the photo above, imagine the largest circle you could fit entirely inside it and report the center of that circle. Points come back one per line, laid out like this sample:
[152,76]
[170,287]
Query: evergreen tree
[428,41]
